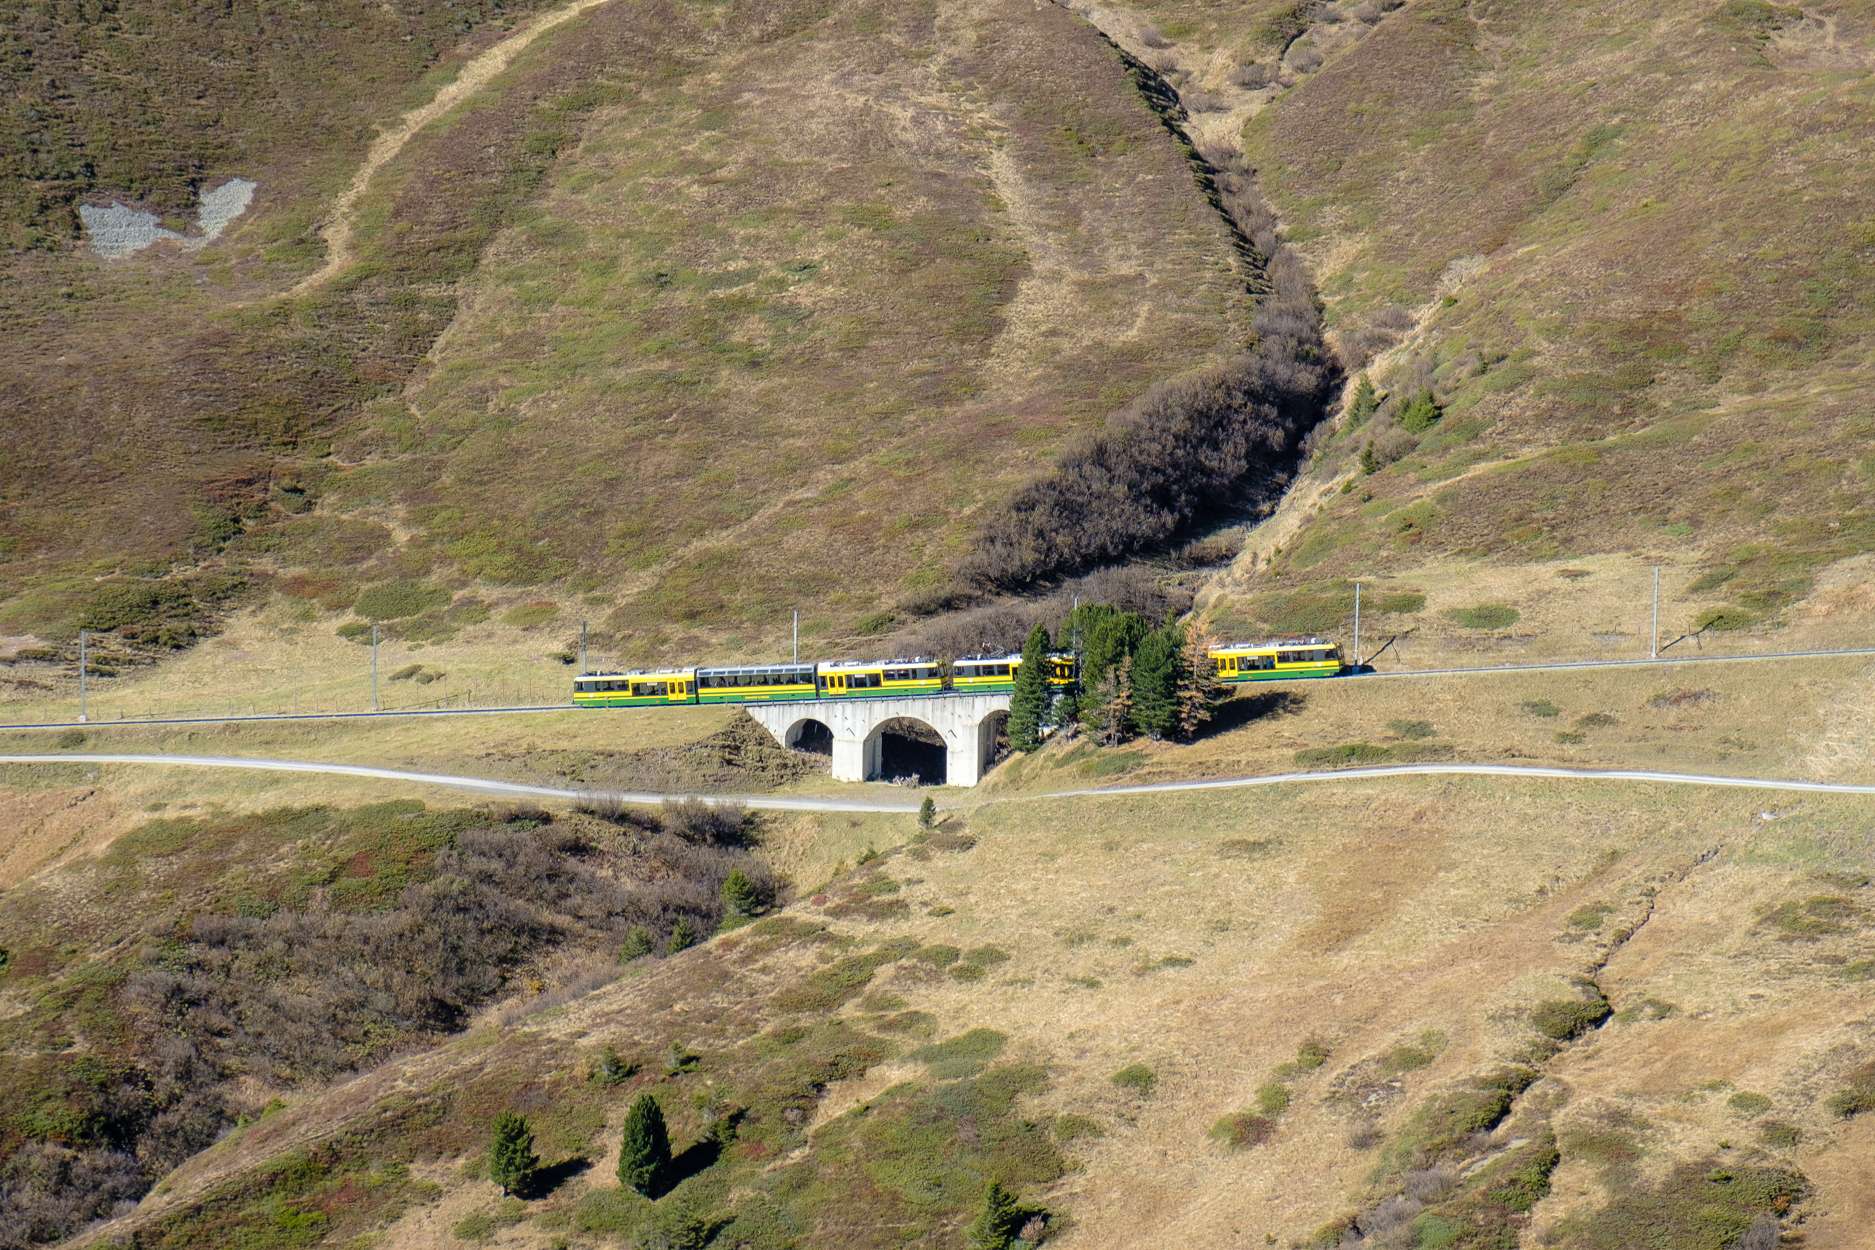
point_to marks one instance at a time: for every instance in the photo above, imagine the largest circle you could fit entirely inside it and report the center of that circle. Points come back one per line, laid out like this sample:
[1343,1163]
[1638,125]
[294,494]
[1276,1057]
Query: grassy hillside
[1624,247]
[693,314]
[1299,1026]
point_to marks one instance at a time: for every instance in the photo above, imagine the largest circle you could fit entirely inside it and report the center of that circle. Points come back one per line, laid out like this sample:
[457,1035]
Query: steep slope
[1624,247]
[688,297]
[1364,1009]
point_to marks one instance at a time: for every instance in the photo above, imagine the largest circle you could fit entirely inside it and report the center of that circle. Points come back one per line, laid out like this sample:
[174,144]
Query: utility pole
[84,711]
[797,635]
[1655,653]
[1357,624]
[374,668]
[582,648]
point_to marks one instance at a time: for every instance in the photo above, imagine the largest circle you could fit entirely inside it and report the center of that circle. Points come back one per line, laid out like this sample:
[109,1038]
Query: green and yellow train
[885,679]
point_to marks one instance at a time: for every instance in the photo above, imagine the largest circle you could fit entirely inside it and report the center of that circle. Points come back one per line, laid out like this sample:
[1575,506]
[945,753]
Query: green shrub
[1136,1078]
[741,897]
[528,615]
[637,944]
[964,1055]
[1241,1130]
[394,601]
[1542,709]
[1857,1097]
[1421,413]
[1780,1134]
[927,813]
[1590,916]
[1412,730]
[1749,1104]
[611,1069]
[1484,616]
[1564,1020]
[1825,915]
[683,937]
[1273,1098]
[1726,619]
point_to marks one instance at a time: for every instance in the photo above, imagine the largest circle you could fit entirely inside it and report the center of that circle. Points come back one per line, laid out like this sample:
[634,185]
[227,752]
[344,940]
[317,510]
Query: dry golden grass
[1797,719]
[1209,935]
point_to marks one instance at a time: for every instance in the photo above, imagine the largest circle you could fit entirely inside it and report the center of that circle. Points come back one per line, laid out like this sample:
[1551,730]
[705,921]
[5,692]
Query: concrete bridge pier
[967,723]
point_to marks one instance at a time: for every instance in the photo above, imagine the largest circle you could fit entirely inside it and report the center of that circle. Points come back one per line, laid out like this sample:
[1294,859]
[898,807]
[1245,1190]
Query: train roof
[989,657]
[892,663]
[637,672]
[784,666]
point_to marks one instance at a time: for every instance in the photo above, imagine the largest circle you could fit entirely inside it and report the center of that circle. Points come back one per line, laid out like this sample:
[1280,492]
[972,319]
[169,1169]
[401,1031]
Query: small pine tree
[683,936]
[1365,404]
[1370,463]
[998,1222]
[1029,703]
[1421,414]
[1155,681]
[644,1154]
[927,813]
[637,944]
[740,896]
[1199,690]
[511,1158]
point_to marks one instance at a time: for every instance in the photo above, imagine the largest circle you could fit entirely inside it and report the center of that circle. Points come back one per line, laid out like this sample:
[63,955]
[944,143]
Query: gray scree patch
[116,231]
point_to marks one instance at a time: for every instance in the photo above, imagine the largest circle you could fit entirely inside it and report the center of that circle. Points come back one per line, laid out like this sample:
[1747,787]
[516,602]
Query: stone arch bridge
[968,724]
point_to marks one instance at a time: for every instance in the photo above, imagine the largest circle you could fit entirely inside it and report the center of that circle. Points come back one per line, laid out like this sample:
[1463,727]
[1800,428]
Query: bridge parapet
[966,722]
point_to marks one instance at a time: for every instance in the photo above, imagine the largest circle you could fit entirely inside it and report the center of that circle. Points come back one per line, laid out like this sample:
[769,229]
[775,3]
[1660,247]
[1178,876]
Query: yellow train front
[1277,661]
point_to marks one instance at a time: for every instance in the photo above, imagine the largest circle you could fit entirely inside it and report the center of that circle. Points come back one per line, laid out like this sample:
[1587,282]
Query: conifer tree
[1029,703]
[1366,403]
[645,1153]
[998,1222]
[511,1158]
[1199,690]
[740,897]
[1422,413]
[1110,639]
[1155,681]
[927,813]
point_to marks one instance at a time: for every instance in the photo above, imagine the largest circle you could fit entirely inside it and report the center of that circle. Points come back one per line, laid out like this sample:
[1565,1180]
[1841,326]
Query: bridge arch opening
[908,748]
[993,739]
[814,737]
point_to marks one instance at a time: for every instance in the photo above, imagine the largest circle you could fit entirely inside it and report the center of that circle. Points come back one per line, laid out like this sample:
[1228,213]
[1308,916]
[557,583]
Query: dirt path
[474,76]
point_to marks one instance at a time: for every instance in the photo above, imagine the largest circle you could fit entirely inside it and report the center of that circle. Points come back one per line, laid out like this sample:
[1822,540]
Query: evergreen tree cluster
[1135,679]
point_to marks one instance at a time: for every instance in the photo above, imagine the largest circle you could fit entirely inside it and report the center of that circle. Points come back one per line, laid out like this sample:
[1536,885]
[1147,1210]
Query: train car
[992,674]
[878,679]
[1280,660]
[757,683]
[639,688]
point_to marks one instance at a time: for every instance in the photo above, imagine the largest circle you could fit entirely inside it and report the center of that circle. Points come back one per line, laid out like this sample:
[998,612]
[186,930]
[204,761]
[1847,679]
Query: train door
[836,683]
[679,691]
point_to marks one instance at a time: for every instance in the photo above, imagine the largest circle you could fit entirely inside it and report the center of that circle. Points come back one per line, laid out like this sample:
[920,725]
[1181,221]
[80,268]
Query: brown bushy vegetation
[280,994]
[1191,448]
